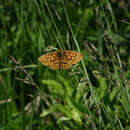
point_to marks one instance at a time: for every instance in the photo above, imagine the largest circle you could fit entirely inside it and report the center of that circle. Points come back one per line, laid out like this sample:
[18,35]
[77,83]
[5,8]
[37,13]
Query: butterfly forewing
[72,57]
[51,60]
[69,58]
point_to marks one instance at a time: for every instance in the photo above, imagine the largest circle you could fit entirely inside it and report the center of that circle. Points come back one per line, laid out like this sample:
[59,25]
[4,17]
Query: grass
[91,95]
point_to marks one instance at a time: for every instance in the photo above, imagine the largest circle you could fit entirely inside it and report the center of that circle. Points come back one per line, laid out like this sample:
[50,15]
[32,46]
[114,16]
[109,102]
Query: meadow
[93,94]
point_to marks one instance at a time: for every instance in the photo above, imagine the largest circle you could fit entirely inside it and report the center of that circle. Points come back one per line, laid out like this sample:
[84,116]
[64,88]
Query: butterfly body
[60,59]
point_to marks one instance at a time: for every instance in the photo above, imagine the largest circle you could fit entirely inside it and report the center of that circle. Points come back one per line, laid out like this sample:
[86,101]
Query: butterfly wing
[64,63]
[69,58]
[51,60]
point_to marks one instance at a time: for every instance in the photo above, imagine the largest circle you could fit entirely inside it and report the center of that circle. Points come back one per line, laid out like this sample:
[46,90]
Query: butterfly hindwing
[64,63]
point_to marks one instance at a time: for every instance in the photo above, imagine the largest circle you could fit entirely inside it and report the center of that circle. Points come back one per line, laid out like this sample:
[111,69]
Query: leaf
[113,93]
[54,86]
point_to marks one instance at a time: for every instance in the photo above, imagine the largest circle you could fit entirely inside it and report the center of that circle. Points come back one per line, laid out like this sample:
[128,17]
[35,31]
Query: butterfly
[60,59]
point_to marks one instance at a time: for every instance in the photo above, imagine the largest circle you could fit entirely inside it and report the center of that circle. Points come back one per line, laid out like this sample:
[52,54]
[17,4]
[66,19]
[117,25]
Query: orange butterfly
[60,59]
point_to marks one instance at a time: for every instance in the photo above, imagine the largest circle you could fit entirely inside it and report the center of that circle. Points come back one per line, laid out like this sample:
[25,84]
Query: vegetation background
[91,95]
